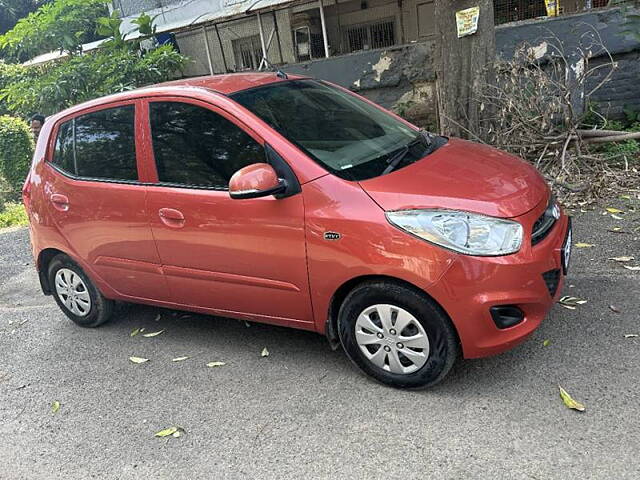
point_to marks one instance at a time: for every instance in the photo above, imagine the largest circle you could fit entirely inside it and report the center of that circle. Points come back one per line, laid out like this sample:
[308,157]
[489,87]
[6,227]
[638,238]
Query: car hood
[462,175]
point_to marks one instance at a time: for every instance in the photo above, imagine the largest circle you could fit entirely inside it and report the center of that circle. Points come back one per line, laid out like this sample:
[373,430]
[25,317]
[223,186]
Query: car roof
[230,83]
[226,84]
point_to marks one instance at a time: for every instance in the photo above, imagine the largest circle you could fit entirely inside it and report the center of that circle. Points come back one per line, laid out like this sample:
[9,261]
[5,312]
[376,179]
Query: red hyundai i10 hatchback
[291,201]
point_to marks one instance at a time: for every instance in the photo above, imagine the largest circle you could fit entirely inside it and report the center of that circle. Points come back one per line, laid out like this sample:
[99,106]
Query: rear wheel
[76,295]
[397,335]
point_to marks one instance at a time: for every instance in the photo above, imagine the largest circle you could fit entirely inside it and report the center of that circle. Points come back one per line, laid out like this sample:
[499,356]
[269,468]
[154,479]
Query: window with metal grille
[506,11]
[368,36]
[247,52]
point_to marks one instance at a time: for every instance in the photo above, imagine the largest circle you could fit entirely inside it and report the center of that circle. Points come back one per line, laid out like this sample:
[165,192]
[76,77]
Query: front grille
[551,280]
[545,223]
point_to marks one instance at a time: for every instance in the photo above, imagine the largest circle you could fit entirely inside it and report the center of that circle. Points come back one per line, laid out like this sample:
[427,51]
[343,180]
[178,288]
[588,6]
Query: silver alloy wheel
[392,339]
[72,292]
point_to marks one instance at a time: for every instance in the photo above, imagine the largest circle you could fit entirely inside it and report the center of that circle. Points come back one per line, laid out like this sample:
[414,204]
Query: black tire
[100,308]
[443,341]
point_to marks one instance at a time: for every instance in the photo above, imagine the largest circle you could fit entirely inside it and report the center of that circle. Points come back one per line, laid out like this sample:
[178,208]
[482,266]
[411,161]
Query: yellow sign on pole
[467,21]
[552,6]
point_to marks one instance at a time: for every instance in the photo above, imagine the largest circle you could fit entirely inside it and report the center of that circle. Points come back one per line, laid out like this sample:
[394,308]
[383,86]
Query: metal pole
[263,61]
[206,46]
[324,30]
[262,43]
[224,58]
[275,25]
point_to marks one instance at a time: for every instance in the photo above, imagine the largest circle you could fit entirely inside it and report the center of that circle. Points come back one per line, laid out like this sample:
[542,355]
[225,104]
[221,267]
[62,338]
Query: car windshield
[346,135]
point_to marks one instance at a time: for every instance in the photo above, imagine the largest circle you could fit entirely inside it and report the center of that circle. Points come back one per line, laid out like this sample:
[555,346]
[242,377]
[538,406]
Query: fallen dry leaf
[584,245]
[614,210]
[216,364]
[166,432]
[55,406]
[138,359]
[616,217]
[635,268]
[265,352]
[179,359]
[614,308]
[135,332]
[621,259]
[546,343]
[570,402]
[630,335]
[153,334]
[571,302]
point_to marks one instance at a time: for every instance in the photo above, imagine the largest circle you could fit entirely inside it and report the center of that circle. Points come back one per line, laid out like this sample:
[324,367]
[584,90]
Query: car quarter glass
[195,146]
[99,145]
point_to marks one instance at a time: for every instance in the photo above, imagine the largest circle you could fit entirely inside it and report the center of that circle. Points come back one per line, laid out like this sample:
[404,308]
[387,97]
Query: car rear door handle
[60,202]
[171,217]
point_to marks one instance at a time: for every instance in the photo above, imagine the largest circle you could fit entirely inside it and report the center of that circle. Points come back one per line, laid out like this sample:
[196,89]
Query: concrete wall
[403,77]
[623,89]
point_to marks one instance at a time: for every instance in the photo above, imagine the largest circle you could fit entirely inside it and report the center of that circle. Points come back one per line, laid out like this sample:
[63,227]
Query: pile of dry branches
[536,110]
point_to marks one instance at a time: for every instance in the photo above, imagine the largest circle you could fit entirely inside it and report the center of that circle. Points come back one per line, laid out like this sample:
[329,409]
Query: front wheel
[397,335]
[76,295]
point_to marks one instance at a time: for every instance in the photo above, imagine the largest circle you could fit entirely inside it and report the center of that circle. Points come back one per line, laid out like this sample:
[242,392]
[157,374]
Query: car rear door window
[99,145]
[194,146]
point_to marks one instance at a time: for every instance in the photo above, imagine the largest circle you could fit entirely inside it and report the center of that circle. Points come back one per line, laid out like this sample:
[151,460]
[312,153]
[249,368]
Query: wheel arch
[44,259]
[331,327]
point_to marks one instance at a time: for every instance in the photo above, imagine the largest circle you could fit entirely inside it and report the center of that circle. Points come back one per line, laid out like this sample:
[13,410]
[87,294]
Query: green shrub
[16,150]
[10,73]
[13,214]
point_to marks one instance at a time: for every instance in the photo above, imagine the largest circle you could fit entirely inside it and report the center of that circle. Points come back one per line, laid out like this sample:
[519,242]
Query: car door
[237,257]
[97,199]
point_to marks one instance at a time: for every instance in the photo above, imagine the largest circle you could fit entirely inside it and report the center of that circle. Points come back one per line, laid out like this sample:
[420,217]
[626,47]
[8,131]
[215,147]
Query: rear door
[97,198]
[241,257]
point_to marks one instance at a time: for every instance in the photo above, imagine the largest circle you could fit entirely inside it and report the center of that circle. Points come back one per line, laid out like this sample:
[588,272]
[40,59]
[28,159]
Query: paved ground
[304,412]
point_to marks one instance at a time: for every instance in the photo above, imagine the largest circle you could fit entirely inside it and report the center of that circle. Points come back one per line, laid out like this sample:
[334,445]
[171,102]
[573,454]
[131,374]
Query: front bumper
[473,285]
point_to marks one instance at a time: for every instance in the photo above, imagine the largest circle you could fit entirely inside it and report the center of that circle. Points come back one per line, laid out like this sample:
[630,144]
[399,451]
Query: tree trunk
[462,64]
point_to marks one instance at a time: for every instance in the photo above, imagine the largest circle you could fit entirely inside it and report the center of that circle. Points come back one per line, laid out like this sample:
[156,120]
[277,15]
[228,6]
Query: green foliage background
[53,87]
[16,150]
[60,24]
[13,214]
[13,10]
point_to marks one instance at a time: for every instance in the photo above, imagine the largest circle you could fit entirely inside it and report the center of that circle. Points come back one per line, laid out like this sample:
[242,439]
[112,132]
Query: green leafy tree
[145,24]
[13,10]
[83,77]
[16,149]
[60,24]
[109,27]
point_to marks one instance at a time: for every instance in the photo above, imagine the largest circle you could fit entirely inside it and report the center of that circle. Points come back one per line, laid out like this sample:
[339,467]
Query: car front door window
[196,147]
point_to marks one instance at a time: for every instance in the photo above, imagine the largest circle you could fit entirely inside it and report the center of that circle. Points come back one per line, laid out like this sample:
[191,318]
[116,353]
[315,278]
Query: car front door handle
[171,217]
[60,202]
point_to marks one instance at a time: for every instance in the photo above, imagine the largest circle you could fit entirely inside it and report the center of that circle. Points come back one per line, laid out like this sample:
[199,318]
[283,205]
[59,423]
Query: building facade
[380,48]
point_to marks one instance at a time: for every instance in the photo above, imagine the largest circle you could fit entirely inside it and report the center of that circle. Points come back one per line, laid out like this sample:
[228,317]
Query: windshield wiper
[394,161]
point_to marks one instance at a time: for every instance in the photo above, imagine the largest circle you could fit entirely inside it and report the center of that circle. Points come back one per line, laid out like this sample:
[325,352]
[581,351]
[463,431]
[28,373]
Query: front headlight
[464,232]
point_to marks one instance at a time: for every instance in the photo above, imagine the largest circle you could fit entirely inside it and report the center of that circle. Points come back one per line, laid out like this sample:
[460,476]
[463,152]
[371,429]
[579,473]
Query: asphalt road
[304,411]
